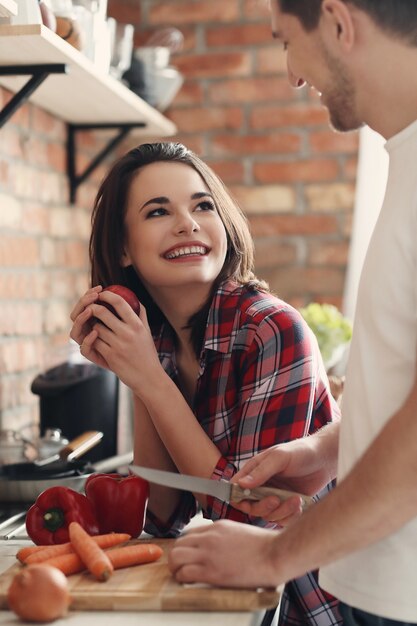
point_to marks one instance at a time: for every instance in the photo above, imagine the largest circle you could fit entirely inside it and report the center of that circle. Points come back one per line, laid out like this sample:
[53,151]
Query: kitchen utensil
[74,449]
[170,37]
[222,489]
[26,488]
[56,463]
[121,47]
[151,587]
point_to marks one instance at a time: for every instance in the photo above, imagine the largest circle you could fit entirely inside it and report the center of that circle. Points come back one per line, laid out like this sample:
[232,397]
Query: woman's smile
[187,251]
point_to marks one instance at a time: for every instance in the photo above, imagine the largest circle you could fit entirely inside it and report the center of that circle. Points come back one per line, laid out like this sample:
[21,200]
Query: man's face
[308,61]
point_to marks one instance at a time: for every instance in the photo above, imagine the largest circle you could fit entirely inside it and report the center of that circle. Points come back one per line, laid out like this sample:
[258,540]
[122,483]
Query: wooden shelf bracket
[76,179]
[38,74]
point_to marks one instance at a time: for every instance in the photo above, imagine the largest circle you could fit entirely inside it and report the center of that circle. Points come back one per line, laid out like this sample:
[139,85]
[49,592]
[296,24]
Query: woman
[219,368]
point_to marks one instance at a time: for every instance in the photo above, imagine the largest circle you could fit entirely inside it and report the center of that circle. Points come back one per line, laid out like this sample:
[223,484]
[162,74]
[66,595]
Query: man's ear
[337,25]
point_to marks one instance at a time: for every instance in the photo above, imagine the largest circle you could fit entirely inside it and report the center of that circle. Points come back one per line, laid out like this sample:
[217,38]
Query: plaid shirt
[261,382]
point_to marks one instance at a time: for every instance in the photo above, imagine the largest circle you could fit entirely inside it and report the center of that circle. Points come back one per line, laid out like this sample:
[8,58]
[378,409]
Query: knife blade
[221,489]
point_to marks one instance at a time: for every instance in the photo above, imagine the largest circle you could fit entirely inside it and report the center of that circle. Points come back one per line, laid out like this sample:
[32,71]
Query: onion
[39,593]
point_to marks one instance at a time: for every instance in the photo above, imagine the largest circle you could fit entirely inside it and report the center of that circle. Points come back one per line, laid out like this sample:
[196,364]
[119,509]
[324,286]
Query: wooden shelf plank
[8,8]
[85,95]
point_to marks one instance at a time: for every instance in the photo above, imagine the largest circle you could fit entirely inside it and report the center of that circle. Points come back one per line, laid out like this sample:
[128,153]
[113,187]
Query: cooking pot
[26,488]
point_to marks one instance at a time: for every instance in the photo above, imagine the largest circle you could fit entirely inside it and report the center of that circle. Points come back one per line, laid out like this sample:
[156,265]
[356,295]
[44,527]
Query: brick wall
[293,176]
[272,146]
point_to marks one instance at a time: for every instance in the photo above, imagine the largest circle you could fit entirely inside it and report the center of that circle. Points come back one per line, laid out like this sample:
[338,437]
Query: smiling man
[361,57]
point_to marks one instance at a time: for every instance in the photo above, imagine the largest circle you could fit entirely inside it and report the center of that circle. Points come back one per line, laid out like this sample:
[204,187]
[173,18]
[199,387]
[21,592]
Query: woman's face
[174,234]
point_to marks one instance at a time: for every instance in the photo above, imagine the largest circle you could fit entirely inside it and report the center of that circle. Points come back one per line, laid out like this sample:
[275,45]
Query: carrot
[67,563]
[26,551]
[47,552]
[94,558]
[120,557]
[134,555]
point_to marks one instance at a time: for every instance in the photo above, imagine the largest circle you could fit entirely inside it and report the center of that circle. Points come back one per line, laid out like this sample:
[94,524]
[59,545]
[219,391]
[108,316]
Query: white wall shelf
[8,8]
[84,95]
[61,80]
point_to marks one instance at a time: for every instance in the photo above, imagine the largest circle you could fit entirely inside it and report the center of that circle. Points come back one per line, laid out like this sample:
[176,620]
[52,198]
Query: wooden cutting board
[151,587]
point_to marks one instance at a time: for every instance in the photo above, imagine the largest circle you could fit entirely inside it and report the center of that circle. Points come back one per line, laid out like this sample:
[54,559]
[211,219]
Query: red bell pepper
[55,508]
[119,502]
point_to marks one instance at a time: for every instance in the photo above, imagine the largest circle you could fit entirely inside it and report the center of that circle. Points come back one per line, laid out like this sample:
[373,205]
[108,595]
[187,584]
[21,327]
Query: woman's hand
[123,342]
[83,331]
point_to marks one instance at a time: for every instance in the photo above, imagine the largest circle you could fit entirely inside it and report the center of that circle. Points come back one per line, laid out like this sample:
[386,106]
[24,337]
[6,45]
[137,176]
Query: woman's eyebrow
[201,194]
[159,200]
[165,200]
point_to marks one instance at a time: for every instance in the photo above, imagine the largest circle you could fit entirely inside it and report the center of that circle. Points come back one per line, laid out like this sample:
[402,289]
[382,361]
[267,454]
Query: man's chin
[343,125]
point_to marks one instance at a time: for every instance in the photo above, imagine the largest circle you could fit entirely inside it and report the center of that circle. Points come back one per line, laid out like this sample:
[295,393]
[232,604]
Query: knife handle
[258,493]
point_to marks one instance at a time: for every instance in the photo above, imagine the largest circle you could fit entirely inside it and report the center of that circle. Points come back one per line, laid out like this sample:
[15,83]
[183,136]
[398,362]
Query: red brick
[35,151]
[257,10]
[350,168]
[195,143]
[265,199]
[179,12]
[19,285]
[195,119]
[35,218]
[191,93]
[251,90]
[334,197]
[76,255]
[11,142]
[238,35]
[229,171]
[125,12]
[46,124]
[57,157]
[19,252]
[329,253]
[331,141]
[298,171]
[276,143]
[292,225]
[298,114]
[288,282]
[214,65]
[21,117]
[271,252]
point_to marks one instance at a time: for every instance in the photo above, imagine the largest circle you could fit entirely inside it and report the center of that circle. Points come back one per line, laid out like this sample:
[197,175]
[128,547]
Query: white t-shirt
[382,579]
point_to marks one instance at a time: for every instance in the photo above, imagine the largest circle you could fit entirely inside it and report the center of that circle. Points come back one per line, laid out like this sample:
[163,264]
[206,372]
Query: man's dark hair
[398,17]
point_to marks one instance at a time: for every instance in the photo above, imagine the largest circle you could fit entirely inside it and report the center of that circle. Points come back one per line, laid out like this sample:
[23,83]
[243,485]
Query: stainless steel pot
[27,490]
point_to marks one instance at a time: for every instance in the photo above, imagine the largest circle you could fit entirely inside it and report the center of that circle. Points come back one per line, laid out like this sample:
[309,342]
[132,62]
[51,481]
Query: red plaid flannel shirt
[261,382]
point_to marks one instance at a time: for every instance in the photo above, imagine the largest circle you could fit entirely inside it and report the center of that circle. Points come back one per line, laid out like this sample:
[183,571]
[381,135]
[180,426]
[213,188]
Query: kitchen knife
[222,489]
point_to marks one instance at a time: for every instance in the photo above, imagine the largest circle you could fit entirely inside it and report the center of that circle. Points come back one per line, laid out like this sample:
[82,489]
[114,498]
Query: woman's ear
[125,259]
[337,25]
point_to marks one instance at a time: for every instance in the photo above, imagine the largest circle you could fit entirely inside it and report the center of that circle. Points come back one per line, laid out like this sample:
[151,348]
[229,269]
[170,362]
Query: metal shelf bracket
[38,74]
[75,179]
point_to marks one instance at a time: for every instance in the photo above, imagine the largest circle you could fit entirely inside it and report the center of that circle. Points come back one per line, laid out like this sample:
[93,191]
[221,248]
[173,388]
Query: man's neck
[390,90]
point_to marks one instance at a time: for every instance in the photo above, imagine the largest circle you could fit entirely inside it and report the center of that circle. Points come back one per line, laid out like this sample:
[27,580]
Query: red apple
[127,294]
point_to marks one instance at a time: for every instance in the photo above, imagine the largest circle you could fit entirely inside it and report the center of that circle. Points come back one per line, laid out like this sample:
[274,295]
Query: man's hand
[225,554]
[305,465]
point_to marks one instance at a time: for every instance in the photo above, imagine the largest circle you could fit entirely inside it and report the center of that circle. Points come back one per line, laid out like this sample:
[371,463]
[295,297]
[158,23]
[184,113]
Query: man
[361,55]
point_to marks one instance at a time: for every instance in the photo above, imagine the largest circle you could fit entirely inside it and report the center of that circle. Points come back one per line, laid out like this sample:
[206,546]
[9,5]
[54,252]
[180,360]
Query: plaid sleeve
[179,518]
[277,366]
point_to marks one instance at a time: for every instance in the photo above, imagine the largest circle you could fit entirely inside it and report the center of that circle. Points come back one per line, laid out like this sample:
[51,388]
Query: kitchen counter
[8,551]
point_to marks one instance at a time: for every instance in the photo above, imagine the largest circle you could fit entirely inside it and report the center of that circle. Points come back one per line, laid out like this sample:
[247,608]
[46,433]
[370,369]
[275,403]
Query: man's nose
[295,81]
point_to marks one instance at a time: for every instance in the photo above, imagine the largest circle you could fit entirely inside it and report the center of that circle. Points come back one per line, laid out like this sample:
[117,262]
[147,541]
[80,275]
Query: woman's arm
[149,451]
